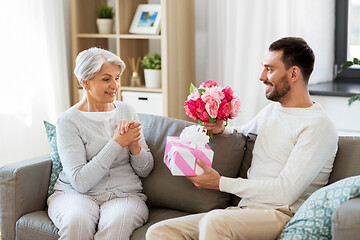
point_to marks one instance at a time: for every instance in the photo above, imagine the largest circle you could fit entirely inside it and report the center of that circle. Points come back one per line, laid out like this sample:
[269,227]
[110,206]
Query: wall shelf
[175,44]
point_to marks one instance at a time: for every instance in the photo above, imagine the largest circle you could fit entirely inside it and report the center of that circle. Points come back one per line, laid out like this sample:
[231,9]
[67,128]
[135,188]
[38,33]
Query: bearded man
[292,157]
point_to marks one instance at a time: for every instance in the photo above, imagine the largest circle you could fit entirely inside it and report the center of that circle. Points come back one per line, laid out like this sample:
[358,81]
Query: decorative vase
[105,25]
[152,78]
[135,80]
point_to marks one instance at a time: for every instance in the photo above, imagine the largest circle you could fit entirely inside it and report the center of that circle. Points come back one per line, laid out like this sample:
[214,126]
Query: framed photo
[146,19]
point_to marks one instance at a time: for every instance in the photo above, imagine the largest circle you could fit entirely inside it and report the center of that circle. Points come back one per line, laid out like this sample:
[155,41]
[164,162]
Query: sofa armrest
[346,220]
[23,189]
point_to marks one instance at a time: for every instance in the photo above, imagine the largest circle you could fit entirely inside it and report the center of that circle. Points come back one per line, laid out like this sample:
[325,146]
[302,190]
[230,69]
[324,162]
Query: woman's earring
[85,85]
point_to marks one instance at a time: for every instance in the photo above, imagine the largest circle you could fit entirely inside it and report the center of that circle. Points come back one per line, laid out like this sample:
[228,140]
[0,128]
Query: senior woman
[99,194]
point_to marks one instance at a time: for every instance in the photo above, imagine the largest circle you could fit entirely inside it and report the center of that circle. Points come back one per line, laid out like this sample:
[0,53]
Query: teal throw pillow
[56,166]
[313,219]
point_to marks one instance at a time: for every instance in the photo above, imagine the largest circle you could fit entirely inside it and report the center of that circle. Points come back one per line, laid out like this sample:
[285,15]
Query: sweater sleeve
[143,162]
[313,147]
[249,127]
[82,174]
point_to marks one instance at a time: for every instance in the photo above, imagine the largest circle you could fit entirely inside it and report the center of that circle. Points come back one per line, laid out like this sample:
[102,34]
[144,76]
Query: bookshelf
[175,44]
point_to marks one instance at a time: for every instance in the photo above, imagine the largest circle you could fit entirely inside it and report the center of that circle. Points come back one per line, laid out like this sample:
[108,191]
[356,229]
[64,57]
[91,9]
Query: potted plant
[347,64]
[152,70]
[104,21]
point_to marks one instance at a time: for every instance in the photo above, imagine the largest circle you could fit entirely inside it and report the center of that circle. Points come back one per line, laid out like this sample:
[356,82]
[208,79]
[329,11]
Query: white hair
[89,62]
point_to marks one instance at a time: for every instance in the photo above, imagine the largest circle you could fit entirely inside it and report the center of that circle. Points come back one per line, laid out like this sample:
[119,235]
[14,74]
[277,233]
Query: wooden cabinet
[175,44]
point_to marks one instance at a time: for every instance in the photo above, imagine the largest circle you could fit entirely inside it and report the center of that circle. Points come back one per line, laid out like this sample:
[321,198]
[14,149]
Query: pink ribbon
[181,162]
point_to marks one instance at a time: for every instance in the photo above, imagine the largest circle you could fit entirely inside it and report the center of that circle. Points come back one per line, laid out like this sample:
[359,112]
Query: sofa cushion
[347,160]
[313,219]
[155,215]
[245,164]
[345,220]
[56,163]
[36,225]
[177,192]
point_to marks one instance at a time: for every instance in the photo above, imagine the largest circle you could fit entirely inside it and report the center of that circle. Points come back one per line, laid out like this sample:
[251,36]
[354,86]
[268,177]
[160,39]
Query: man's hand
[216,127]
[210,179]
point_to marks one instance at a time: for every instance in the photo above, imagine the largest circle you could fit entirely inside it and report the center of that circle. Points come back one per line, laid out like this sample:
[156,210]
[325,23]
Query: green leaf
[211,120]
[348,64]
[200,122]
[353,99]
[345,65]
[105,11]
[192,87]
[150,61]
[201,91]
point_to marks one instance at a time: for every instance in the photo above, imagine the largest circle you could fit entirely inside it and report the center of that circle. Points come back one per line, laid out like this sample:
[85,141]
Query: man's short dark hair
[296,52]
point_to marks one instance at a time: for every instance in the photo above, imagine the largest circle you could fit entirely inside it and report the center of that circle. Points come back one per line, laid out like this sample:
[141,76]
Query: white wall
[35,75]
[201,16]
[346,118]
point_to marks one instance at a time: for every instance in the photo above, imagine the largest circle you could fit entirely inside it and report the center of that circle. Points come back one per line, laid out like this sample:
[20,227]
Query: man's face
[275,78]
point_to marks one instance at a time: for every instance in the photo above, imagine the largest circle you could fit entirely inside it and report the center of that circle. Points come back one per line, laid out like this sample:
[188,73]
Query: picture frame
[146,19]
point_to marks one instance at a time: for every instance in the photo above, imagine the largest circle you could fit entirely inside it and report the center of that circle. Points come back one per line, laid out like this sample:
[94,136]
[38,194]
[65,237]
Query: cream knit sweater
[292,157]
[93,163]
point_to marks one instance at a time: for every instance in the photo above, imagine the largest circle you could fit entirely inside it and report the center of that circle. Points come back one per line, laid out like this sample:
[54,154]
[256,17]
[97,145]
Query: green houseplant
[104,21]
[152,70]
[347,64]
[151,61]
[105,11]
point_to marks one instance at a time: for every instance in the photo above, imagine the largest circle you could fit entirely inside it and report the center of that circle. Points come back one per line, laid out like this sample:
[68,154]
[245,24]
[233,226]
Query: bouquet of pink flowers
[210,102]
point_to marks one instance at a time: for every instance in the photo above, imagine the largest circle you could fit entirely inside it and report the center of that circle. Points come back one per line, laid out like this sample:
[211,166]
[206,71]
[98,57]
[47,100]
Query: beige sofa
[24,184]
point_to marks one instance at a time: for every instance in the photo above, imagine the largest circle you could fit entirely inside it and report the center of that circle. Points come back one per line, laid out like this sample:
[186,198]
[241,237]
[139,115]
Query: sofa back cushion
[347,160]
[177,192]
[313,219]
[245,164]
[56,163]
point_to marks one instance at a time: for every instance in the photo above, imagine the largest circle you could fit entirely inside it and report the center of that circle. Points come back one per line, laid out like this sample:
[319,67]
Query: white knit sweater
[93,163]
[292,157]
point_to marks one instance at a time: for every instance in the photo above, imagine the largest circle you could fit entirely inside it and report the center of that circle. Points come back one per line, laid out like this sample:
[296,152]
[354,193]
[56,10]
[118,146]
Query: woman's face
[102,87]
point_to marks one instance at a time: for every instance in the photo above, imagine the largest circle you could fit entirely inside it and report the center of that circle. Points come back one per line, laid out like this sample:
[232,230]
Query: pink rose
[213,92]
[212,107]
[228,93]
[210,101]
[190,109]
[200,110]
[194,95]
[224,110]
[209,83]
[235,105]
[212,97]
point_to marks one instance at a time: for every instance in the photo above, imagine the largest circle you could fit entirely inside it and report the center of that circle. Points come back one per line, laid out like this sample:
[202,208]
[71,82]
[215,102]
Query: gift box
[181,154]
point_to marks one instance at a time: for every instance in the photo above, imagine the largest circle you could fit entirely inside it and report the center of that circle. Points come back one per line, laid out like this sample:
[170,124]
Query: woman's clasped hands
[127,134]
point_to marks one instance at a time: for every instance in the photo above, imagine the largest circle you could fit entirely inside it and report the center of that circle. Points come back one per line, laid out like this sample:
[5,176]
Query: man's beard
[280,91]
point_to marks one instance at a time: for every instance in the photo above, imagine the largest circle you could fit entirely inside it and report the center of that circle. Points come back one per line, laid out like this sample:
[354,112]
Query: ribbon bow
[194,136]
